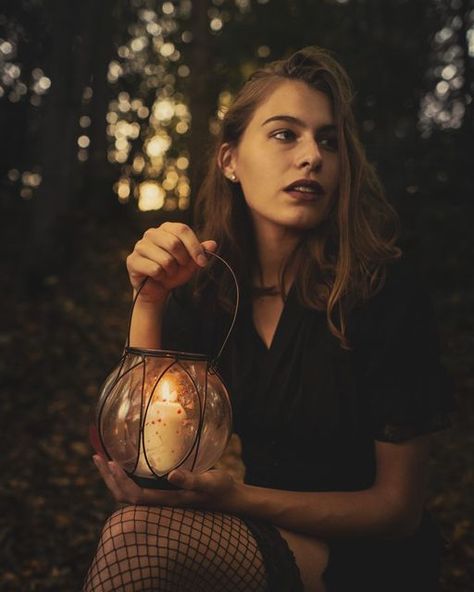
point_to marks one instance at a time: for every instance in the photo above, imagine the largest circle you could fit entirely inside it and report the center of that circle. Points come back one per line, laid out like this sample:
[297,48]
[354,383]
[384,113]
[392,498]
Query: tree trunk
[468,62]
[467,128]
[201,98]
[100,174]
[50,232]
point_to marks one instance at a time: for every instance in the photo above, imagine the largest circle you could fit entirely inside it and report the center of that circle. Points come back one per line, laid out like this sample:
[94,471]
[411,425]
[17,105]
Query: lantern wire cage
[177,360]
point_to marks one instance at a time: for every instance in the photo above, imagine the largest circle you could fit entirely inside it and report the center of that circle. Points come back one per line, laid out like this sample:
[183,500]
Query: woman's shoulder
[403,286]
[402,297]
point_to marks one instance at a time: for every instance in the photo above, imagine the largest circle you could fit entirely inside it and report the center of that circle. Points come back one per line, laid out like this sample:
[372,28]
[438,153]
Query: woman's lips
[304,195]
[305,189]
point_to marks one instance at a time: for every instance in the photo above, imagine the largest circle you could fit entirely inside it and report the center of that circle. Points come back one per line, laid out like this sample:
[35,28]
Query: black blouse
[309,412]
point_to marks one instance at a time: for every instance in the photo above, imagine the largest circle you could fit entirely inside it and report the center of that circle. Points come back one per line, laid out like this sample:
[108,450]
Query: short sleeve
[408,390]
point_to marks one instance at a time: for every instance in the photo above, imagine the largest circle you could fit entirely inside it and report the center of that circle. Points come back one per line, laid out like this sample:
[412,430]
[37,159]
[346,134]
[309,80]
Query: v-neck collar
[279,325]
[288,323]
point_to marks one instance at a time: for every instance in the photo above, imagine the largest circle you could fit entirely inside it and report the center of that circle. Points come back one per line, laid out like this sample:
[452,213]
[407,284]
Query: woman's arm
[167,257]
[392,507]
[145,331]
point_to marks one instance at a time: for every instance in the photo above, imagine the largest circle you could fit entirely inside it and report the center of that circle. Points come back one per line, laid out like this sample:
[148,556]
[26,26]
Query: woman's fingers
[125,490]
[119,484]
[159,238]
[188,238]
[139,267]
[169,255]
[174,244]
[159,256]
[209,245]
[107,476]
[170,247]
[128,490]
[197,491]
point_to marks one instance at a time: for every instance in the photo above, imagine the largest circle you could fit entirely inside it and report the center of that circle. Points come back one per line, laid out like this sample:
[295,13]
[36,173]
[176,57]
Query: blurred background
[107,110]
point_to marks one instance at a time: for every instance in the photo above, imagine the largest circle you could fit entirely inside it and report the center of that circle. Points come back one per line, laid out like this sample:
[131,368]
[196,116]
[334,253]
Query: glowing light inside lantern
[163,444]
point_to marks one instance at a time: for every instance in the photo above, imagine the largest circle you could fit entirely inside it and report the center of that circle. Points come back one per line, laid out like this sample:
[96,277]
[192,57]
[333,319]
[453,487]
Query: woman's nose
[310,155]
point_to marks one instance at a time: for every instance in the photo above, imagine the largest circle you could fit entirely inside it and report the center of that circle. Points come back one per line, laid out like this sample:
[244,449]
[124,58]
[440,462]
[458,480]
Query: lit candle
[163,431]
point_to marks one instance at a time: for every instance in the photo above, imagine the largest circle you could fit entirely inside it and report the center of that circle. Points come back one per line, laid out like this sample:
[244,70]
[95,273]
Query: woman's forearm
[147,319]
[326,514]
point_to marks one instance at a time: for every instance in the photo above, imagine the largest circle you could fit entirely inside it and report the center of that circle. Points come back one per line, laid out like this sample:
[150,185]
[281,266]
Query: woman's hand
[169,255]
[212,490]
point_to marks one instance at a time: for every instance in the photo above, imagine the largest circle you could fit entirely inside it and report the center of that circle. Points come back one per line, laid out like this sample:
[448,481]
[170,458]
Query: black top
[309,412]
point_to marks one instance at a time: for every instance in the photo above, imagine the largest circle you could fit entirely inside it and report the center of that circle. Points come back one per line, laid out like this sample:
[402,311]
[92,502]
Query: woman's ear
[226,161]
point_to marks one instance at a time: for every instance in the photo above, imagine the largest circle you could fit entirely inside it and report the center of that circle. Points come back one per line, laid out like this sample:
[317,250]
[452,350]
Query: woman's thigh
[176,549]
[311,555]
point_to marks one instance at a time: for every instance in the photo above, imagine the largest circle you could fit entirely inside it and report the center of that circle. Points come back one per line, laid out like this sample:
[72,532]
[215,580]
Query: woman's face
[287,159]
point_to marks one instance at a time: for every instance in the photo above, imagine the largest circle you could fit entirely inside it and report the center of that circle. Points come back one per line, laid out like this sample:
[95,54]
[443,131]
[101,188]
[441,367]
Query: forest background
[106,113]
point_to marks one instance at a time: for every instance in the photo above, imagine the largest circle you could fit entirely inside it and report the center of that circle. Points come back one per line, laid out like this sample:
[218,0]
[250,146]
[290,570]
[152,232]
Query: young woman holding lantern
[332,365]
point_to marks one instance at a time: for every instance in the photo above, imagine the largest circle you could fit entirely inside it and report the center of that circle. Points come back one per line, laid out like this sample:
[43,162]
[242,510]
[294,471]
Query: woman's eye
[284,135]
[329,143]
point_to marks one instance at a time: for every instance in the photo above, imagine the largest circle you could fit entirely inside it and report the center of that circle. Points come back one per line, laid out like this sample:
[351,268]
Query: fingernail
[202,260]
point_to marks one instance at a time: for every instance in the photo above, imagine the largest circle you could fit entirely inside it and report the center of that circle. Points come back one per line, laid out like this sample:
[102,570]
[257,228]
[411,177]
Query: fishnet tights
[167,549]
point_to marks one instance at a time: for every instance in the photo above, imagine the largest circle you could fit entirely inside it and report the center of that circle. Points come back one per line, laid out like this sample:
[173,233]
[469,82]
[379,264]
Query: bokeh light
[151,196]
[16,84]
[148,129]
[444,107]
[148,119]
[158,144]
[123,190]
[216,24]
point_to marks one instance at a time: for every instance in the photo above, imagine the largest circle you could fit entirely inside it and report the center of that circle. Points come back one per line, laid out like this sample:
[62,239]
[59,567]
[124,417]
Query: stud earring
[233,178]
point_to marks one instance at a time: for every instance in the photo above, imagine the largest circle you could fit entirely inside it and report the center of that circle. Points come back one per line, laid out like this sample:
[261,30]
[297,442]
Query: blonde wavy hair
[344,260]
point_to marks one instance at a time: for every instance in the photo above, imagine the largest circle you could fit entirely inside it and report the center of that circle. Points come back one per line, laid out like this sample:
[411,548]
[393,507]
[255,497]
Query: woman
[332,365]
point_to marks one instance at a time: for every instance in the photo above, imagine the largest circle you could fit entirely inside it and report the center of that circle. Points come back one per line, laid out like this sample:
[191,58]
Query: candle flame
[167,388]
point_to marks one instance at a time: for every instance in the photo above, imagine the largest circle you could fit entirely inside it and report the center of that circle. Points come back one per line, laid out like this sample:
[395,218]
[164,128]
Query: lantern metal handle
[237,301]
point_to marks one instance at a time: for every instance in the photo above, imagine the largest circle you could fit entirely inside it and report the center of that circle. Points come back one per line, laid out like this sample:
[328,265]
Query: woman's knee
[126,527]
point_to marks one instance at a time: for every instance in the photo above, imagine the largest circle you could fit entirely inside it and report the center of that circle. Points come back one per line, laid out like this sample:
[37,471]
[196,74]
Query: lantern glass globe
[160,410]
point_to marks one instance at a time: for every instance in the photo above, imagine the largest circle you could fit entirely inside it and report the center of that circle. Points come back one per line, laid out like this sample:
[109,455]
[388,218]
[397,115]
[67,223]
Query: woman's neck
[274,249]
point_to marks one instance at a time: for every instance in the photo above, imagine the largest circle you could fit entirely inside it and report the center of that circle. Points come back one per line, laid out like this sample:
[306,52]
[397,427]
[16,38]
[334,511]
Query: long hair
[343,261]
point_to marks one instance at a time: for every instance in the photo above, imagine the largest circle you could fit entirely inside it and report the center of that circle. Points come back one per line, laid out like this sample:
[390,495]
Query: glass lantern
[159,410]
